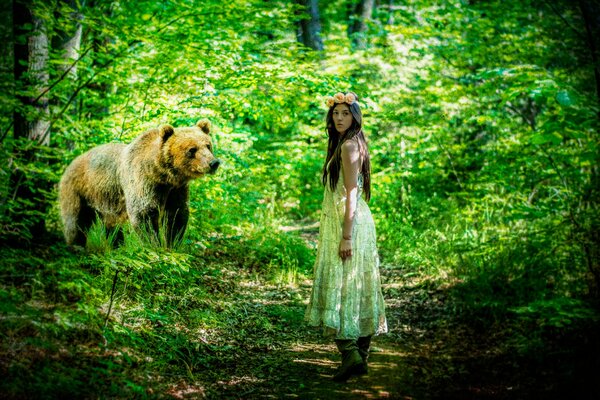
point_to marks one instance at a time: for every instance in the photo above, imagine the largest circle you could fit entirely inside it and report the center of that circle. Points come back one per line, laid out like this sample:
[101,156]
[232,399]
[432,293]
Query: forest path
[430,352]
[235,334]
[298,362]
[424,355]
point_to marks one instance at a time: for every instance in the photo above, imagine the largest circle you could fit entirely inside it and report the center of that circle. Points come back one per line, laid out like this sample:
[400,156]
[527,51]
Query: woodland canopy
[482,119]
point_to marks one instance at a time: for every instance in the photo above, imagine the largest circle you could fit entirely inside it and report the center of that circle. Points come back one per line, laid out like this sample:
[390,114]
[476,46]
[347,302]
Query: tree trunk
[99,107]
[31,70]
[68,39]
[357,26]
[590,12]
[309,29]
[591,18]
[31,126]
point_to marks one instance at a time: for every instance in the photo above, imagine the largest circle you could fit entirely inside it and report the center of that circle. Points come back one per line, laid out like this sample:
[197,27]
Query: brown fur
[144,182]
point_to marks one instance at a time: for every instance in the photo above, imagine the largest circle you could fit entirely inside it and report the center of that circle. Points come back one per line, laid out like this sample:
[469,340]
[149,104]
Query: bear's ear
[166,131]
[204,124]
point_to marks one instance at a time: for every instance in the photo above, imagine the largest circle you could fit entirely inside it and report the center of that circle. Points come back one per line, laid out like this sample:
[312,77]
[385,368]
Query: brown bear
[145,181]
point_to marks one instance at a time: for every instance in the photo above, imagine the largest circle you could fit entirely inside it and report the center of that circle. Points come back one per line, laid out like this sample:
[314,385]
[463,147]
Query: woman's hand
[345,249]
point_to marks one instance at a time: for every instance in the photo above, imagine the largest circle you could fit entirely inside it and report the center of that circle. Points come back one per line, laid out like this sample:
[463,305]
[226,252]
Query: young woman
[346,297]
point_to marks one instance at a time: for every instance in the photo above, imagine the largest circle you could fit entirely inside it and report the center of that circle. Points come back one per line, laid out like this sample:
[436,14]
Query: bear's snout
[214,164]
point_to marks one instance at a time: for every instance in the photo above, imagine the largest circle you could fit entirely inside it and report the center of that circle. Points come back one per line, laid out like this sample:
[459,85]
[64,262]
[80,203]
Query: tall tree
[31,70]
[358,24]
[31,127]
[590,12]
[101,87]
[309,26]
[68,38]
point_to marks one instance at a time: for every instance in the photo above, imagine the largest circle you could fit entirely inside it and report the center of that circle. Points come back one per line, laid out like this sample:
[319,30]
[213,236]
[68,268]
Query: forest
[483,121]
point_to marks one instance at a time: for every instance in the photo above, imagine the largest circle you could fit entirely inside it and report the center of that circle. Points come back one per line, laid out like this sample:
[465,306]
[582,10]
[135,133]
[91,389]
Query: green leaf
[543,138]
[564,99]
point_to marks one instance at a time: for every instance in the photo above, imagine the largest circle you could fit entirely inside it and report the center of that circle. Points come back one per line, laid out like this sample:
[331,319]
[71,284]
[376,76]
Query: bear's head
[187,152]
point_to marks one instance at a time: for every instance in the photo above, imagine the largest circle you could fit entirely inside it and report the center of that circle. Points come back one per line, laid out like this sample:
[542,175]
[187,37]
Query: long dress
[346,298]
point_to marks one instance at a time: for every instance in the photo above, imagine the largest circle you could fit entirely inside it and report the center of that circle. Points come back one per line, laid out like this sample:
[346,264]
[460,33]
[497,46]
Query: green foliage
[557,313]
[482,126]
[496,142]
[144,307]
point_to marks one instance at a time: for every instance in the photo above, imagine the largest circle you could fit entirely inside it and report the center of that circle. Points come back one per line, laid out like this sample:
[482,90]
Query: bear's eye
[209,147]
[192,152]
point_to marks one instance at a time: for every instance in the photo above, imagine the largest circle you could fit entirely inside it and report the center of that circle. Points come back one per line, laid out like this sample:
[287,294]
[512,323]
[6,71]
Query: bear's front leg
[146,223]
[176,214]
[142,201]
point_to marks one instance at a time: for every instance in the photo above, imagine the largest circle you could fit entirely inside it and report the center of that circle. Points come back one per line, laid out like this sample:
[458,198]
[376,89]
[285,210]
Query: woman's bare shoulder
[350,152]
[350,146]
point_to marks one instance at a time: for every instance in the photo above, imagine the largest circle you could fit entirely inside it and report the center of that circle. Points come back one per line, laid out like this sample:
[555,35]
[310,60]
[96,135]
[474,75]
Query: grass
[127,318]
[218,318]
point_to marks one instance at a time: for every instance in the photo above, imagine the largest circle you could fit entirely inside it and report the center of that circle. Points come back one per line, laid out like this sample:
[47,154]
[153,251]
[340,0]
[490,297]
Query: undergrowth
[126,319]
[133,320]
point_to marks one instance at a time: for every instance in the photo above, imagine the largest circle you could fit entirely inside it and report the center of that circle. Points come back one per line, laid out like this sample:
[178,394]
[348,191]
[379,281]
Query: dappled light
[175,258]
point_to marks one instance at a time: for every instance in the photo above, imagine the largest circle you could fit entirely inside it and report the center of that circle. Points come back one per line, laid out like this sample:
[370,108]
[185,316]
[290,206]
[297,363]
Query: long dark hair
[334,148]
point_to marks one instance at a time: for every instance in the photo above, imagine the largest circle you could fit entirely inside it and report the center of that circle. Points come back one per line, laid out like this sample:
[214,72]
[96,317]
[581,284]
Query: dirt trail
[426,355]
[321,361]
[248,340]
[301,362]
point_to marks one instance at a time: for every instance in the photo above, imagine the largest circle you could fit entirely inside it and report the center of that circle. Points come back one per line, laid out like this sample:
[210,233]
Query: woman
[346,297]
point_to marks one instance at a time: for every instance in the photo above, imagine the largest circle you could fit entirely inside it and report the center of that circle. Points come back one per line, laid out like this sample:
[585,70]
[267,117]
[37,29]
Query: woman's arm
[351,163]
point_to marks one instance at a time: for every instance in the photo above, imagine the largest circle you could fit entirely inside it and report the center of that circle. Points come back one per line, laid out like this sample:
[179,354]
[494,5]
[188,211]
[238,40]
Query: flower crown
[338,98]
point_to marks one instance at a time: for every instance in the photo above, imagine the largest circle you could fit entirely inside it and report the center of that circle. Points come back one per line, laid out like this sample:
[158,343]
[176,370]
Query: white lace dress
[346,297]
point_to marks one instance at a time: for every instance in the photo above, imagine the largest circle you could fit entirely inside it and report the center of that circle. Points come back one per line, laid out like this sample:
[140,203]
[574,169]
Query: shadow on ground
[428,354]
[261,349]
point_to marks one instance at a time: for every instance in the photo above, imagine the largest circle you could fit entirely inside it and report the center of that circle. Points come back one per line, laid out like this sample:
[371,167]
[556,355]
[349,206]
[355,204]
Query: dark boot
[351,360]
[363,349]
